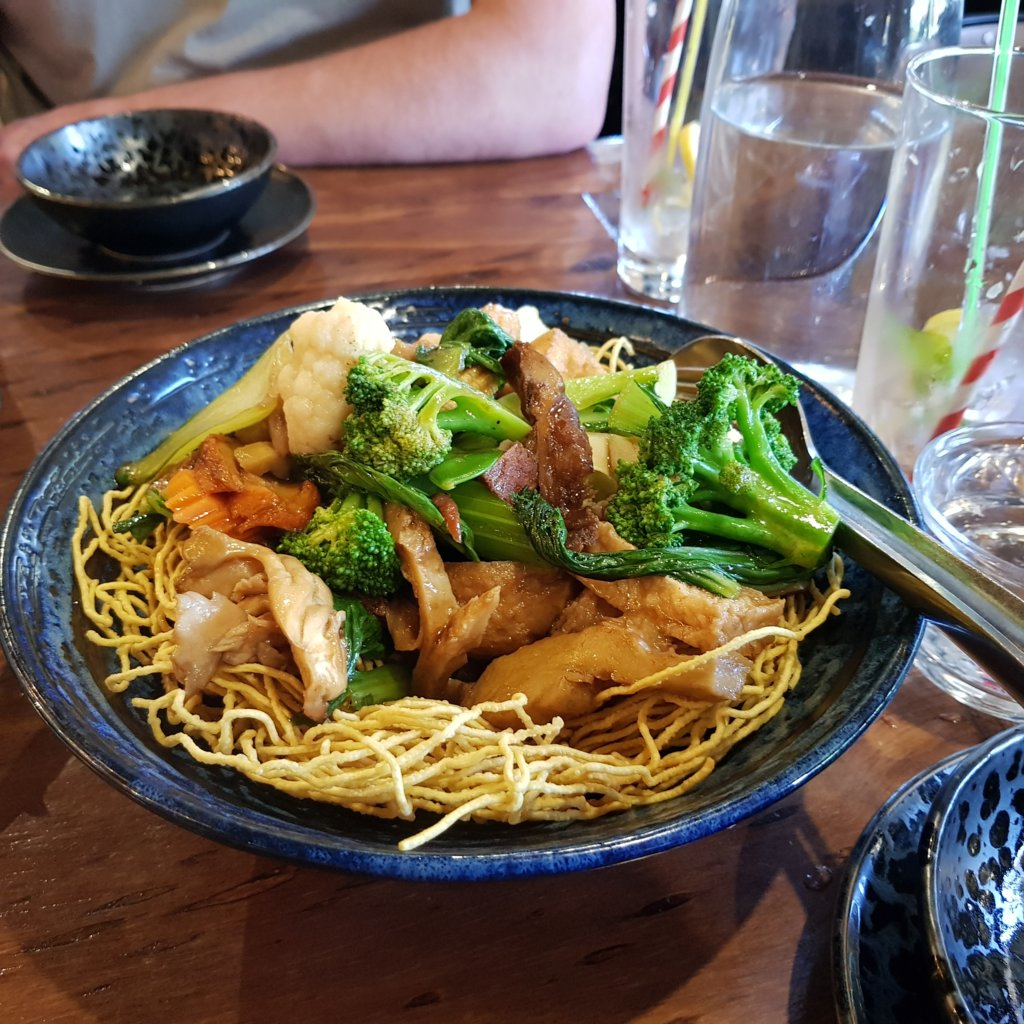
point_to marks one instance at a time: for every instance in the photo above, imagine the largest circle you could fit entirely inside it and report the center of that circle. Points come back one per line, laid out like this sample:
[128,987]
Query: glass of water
[800,118]
[665,53]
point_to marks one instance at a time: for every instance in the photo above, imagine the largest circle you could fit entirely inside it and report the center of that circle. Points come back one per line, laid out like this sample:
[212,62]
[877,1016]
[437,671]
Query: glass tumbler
[800,118]
[942,340]
[970,486]
[664,59]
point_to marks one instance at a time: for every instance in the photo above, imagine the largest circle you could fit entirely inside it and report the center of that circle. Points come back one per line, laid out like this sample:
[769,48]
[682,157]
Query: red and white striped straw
[1001,326]
[667,84]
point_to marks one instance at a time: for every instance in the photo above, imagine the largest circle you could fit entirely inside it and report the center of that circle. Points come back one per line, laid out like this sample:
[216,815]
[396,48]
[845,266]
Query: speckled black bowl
[881,971]
[150,184]
[973,892]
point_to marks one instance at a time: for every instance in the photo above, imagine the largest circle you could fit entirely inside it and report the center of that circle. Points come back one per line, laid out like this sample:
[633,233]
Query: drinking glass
[799,121]
[942,339]
[664,60]
[969,483]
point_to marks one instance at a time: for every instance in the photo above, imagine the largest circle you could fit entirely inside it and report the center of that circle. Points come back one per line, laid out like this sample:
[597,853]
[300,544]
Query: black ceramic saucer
[281,214]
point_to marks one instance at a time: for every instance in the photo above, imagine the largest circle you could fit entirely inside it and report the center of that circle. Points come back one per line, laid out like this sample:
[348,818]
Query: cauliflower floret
[324,345]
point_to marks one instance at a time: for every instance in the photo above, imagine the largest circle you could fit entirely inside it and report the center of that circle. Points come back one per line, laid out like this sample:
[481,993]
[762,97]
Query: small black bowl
[154,184]
[972,897]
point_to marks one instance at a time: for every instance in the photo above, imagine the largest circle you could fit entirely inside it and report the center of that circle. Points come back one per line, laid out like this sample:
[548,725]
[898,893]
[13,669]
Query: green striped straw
[1008,13]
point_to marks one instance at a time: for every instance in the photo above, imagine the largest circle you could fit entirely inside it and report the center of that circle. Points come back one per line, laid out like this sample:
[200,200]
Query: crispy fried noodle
[640,745]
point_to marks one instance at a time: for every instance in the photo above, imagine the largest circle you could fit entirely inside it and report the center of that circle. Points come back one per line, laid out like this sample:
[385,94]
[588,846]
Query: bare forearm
[511,78]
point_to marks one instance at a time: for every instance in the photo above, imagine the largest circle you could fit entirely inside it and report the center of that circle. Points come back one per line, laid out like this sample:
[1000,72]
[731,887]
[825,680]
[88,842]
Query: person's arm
[509,79]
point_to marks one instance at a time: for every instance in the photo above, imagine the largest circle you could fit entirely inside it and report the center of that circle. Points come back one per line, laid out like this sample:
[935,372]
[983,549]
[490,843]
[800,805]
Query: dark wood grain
[110,914]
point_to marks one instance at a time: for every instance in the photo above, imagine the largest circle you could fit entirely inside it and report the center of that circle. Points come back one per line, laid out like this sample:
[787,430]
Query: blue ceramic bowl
[852,666]
[150,183]
[973,892]
[881,971]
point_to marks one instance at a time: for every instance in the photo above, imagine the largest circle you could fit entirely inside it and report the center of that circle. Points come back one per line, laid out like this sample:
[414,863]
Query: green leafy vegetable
[366,639]
[154,511]
[367,642]
[720,570]
[498,535]
[638,394]
[472,338]
[247,402]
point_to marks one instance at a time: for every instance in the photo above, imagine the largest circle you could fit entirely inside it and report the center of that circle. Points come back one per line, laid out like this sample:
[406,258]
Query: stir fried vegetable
[719,467]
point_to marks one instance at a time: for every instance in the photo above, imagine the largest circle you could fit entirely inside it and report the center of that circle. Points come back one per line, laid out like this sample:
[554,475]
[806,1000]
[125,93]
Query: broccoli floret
[405,415]
[719,465]
[335,473]
[347,544]
[722,570]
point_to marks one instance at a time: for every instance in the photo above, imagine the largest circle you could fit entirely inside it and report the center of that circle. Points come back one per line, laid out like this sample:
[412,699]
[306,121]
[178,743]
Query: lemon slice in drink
[688,139]
[929,351]
[946,323]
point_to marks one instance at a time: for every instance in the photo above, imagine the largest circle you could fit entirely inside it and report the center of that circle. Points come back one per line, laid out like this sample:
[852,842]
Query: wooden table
[110,914]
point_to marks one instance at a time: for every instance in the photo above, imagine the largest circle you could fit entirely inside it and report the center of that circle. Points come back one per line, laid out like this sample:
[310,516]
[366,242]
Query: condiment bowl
[973,891]
[150,183]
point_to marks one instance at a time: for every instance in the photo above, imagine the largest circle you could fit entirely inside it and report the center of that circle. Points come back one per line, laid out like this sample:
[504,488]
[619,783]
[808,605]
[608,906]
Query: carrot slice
[210,492]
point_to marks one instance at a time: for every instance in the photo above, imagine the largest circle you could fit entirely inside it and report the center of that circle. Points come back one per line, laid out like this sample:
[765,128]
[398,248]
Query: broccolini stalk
[458,467]
[379,685]
[719,466]
[721,570]
[248,401]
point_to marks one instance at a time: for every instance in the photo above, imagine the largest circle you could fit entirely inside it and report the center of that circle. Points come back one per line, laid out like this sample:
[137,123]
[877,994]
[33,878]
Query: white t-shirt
[60,51]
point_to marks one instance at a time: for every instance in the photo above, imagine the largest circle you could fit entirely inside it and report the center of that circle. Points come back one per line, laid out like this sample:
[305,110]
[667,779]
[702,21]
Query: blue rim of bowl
[237,815]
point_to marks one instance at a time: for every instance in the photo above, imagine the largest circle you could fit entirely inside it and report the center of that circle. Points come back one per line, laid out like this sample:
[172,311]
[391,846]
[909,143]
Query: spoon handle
[984,618]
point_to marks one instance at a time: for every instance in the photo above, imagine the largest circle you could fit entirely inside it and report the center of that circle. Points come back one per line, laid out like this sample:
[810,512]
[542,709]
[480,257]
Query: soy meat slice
[562,675]
[447,632]
[687,613]
[532,599]
[423,568]
[514,471]
[560,444]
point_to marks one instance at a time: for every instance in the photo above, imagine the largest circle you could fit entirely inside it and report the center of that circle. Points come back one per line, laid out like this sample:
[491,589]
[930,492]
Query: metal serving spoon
[984,618]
